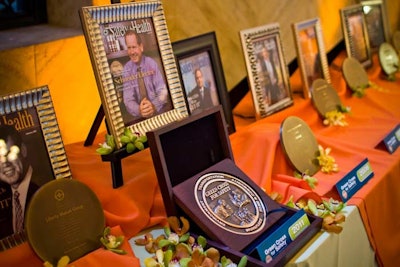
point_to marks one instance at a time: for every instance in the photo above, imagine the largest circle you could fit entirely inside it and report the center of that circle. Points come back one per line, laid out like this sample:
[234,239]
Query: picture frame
[355,34]
[199,61]
[269,86]
[377,23]
[311,54]
[27,121]
[128,43]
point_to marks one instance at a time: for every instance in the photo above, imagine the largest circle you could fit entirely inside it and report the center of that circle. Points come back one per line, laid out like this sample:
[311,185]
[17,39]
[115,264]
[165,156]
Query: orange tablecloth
[258,153]
[138,204]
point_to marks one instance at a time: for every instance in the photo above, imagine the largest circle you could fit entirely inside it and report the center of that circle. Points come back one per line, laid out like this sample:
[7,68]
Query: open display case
[199,180]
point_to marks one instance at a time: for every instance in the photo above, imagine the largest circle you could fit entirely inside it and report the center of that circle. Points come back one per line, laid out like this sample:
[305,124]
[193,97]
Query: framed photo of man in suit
[201,73]
[311,55]
[266,68]
[134,66]
[31,154]
[199,82]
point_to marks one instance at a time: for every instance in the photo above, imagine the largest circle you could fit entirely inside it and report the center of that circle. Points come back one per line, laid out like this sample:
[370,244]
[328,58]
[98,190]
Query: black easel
[95,127]
[116,156]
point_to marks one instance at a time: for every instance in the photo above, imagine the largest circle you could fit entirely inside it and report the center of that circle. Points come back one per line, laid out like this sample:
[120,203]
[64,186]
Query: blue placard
[392,140]
[354,180]
[276,242]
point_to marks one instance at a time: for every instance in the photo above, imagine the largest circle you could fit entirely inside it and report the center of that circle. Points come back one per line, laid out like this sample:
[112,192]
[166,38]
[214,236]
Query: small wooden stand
[115,157]
[116,166]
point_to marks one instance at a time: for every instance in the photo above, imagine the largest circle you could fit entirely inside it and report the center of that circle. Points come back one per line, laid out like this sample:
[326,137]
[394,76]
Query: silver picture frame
[269,82]
[28,119]
[105,28]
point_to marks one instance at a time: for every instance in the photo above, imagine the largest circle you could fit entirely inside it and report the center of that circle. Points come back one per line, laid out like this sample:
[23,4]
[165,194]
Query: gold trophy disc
[64,218]
[299,145]
[354,74]
[324,97]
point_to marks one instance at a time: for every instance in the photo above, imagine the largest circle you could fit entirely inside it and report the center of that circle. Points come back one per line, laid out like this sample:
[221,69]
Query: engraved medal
[230,203]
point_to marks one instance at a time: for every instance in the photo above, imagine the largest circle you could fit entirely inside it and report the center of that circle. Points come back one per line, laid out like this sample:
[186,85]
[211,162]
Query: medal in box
[199,180]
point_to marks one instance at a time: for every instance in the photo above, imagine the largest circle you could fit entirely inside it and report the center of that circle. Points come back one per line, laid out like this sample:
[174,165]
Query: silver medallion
[230,203]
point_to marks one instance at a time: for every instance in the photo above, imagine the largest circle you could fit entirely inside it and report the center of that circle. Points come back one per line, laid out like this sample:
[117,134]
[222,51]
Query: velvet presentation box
[199,180]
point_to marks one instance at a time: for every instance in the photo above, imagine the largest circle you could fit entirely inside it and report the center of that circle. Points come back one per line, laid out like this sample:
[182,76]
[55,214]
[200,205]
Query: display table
[137,205]
[258,152]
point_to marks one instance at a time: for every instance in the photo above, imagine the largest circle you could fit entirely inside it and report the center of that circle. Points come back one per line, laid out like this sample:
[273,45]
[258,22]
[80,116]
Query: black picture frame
[377,24]
[201,53]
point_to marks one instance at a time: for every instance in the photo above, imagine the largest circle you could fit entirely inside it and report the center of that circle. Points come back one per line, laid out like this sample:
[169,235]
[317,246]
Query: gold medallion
[230,203]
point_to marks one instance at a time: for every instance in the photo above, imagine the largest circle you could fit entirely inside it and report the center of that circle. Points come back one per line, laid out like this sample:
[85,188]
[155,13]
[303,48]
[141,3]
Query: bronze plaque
[388,59]
[354,73]
[299,145]
[324,97]
[64,217]
[230,203]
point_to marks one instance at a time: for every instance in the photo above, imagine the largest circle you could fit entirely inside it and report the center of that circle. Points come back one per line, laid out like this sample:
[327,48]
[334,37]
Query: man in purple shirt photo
[145,92]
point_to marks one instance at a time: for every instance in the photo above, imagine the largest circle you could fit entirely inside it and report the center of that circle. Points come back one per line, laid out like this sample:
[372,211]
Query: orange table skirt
[258,153]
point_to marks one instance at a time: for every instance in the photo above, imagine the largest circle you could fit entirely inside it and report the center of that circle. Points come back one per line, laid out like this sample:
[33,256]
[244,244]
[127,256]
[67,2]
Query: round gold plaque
[64,217]
[354,73]
[324,97]
[299,145]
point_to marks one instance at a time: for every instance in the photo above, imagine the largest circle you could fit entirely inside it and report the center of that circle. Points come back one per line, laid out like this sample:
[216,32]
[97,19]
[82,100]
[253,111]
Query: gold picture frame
[311,55]
[118,82]
[27,121]
[355,34]
[269,82]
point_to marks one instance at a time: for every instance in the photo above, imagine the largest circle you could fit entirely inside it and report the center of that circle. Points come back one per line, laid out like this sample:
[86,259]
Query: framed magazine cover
[355,34]
[202,75]
[134,66]
[31,154]
[377,24]
[266,68]
[311,55]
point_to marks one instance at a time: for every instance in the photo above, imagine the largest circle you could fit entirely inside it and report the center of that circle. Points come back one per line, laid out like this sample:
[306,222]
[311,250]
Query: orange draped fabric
[257,151]
[23,256]
[138,205]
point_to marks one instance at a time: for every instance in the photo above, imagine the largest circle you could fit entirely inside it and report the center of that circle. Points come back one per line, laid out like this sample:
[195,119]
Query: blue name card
[392,140]
[275,243]
[354,180]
